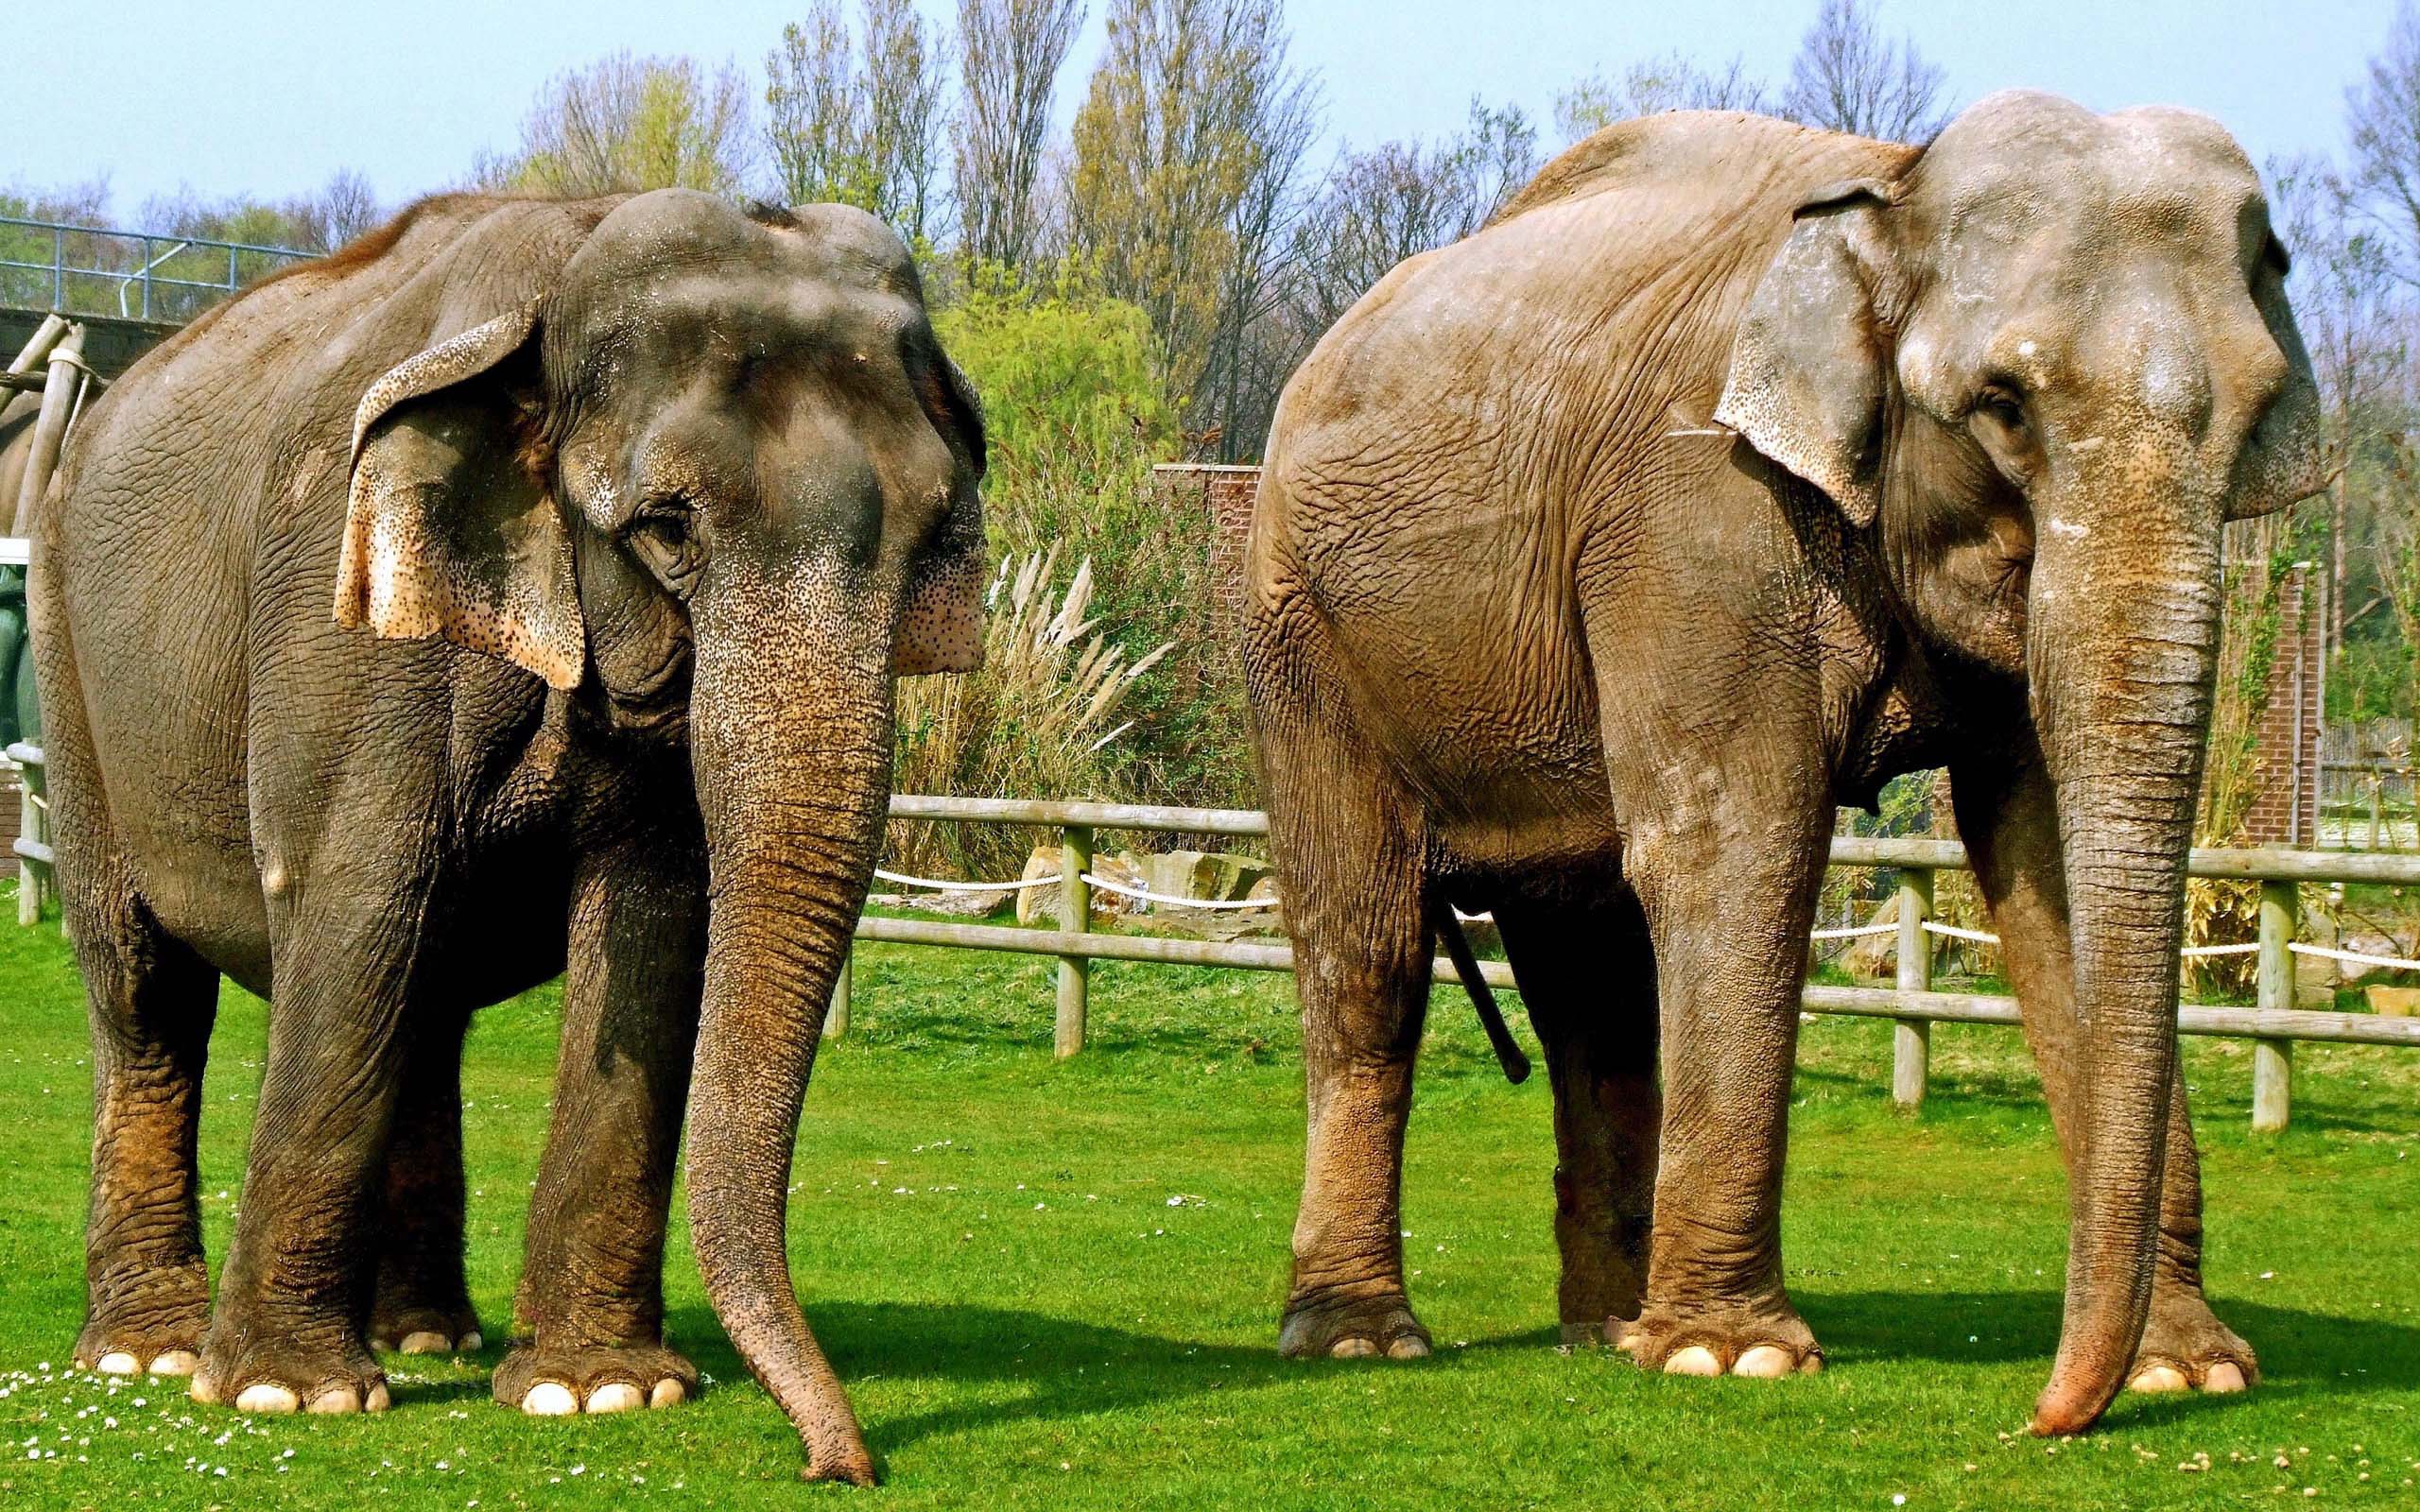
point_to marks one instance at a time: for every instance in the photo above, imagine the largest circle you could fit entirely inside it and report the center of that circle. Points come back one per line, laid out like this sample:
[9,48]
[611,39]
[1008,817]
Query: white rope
[1854,934]
[2195,953]
[2355,956]
[939,885]
[1975,936]
[1181,903]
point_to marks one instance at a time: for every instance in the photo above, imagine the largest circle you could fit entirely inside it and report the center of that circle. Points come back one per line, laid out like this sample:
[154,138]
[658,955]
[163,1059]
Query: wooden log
[2273,1062]
[1911,1038]
[66,378]
[45,337]
[1053,811]
[835,1013]
[1074,917]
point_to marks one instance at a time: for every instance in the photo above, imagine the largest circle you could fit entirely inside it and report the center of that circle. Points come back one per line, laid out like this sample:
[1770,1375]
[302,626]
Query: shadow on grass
[1073,1369]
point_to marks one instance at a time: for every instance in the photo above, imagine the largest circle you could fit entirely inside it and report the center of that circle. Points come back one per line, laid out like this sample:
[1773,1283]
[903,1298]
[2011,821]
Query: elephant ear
[450,528]
[1809,368]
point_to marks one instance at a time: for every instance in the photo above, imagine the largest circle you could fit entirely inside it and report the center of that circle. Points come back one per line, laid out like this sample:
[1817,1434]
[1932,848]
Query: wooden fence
[2273,1025]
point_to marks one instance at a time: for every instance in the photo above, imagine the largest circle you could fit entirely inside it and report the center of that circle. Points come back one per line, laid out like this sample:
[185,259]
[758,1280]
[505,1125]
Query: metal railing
[2273,1025]
[137,275]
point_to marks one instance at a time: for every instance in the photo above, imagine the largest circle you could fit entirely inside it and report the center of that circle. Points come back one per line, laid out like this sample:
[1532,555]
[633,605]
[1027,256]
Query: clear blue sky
[270,96]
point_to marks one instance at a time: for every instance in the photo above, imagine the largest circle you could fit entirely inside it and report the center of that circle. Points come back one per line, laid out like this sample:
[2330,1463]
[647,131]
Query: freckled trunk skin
[2125,640]
[791,745]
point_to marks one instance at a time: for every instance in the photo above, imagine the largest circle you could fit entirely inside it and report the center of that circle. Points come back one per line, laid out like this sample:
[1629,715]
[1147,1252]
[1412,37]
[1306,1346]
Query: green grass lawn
[1057,1284]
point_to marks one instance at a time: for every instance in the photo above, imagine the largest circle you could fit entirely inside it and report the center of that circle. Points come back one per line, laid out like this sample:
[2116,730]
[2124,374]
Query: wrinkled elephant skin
[1733,469]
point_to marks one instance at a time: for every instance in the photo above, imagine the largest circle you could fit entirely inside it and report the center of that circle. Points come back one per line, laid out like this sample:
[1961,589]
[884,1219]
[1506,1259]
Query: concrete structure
[2287,810]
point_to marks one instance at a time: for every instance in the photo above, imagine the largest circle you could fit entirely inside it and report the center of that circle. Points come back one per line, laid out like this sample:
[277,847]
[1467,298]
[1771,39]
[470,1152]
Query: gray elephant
[1735,468]
[518,590]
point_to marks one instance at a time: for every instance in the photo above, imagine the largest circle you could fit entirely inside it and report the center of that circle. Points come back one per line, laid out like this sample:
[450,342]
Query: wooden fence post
[63,382]
[1075,914]
[1911,1038]
[29,817]
[2273,1060]
[836,1017]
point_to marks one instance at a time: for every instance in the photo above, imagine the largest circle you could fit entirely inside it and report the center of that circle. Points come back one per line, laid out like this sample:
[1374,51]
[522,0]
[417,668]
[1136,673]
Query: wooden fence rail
[2273,1025]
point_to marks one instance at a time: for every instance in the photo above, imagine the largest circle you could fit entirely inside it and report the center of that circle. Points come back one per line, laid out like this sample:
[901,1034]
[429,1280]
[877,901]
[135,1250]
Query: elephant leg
[1348,844]
[152,1002]
[2007,814]
[423,1301]
[591,1282]
[1727,881]
[294,1299]
[1587,977]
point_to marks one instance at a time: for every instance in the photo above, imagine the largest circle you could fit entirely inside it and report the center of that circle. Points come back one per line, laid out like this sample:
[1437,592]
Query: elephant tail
[1490,1018]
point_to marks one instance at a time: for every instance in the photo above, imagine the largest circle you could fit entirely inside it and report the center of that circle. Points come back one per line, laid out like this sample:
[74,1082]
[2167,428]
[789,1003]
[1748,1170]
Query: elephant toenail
[266,1397]
[2159,1378]
[469,1342]
[667,1393]
[615,1396]
[2224,1377]
[1352,1348]
[176,1363]
[1410,1347]
[421,1341]
[204,1388]
[116,1363]
[549,1399]
[342,1399]
[1697,1360]
[1766,1362]
[378,1401]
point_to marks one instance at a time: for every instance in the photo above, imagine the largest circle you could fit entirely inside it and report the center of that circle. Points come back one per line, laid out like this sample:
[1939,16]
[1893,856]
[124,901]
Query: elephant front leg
[1587,978]
[2007,817]
[1728,905]
[592,1283]
[423,1302]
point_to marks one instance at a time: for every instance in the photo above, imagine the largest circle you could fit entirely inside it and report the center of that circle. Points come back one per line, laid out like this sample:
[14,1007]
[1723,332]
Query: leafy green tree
[859,122]
[1009,57]
[627,123]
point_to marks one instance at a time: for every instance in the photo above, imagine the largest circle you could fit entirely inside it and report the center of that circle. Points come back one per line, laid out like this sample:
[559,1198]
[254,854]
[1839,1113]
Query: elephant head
[2046,359]
[715,473]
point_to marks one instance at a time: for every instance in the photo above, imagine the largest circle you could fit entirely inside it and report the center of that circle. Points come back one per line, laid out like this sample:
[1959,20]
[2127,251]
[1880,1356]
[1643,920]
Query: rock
[1203,874]
[1041,905]
[2394,1002]
[957,904]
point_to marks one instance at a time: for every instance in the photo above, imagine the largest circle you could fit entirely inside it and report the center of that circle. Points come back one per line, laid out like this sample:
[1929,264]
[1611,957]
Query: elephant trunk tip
[2074,1399]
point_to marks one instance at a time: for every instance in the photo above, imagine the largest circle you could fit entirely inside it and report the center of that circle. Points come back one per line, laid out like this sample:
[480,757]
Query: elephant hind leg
[152,1001]
[1349,844]
[1587,976]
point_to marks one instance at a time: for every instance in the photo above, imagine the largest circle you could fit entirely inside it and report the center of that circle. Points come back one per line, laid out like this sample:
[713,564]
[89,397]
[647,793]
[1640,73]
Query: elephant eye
[2000,404]
[662,539]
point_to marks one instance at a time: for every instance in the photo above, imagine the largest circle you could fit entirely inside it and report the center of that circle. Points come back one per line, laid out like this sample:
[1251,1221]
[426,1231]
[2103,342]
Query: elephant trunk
[2124,645]
[792,746]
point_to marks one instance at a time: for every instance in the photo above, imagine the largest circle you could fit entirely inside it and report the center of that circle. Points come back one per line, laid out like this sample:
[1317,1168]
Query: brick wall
[2287,810]
[1226,493]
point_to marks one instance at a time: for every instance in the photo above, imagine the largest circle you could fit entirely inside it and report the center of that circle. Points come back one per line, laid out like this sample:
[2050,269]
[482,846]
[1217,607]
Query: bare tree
[1181,129]
[1846,77]
[2383,114]
[814,116]
[335,214]
[627,123]
[1009,52]
[1672,82]
[905,75]
[860,127]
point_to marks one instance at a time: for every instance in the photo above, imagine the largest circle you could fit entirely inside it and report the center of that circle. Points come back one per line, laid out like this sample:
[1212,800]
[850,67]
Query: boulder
[1203,874]
[2394,1002]
[1041,905]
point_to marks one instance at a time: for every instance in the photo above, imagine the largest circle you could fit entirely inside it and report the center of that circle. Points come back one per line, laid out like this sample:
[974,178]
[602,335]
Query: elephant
[1731,468]
[518,590]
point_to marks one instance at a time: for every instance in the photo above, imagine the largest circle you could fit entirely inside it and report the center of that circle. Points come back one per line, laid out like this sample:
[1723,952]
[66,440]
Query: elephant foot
[266,1377]
[157,1332]
[1762,1339]
[1352,1329]
[425,1330]
[551,1382]
[2186,1347]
